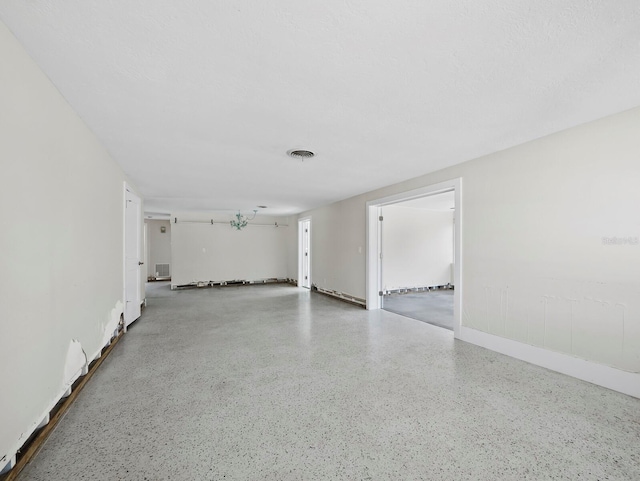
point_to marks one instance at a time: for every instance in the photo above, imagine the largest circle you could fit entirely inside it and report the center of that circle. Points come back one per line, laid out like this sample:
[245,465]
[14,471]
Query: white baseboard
[605,376]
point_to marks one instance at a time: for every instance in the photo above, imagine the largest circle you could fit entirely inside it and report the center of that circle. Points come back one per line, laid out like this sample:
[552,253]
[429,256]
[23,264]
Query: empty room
[330,240]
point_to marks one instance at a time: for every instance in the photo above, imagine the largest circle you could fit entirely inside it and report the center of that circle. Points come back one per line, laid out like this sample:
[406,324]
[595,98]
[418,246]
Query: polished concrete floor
[434,307]
[277,383]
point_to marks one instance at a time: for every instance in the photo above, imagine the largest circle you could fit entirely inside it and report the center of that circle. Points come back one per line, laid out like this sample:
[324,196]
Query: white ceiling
[199,100]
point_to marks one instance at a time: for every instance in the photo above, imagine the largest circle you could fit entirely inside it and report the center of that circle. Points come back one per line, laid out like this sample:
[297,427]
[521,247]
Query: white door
[305,253]
[132,260]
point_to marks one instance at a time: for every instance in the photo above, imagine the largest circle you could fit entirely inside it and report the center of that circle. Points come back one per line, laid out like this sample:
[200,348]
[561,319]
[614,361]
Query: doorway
[158,247]
[375,255]
[417,262]
[304,250]
[132,257]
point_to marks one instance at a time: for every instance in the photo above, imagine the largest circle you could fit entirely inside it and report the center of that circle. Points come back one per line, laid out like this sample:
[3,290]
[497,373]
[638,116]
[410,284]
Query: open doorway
[304,253]
[376,250]
[158,241]
[418,258]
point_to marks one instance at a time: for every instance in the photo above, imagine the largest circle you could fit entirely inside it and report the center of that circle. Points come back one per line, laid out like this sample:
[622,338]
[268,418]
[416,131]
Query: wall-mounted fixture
[163,229]
[241,221]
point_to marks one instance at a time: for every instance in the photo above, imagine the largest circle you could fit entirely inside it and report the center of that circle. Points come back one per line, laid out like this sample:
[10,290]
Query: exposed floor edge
[235,282]
[409,290]
[33,446]
[609,377]
[341,297]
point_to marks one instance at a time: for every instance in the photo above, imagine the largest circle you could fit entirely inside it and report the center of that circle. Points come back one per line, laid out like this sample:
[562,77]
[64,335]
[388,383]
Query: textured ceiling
[198,101]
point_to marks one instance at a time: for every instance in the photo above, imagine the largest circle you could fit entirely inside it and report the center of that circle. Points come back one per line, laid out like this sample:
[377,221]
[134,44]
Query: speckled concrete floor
[276,383]
[434,307]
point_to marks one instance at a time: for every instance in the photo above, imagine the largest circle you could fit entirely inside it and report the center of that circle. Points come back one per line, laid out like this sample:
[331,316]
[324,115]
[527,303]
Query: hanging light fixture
[242,221]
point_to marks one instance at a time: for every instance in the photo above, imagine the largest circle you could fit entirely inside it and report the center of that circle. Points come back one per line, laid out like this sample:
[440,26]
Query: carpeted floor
[433,307]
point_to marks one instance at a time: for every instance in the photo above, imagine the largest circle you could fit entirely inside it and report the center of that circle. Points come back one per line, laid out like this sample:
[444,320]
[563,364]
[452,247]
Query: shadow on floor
[433,307]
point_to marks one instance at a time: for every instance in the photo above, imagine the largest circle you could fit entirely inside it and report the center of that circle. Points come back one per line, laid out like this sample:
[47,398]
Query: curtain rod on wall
[212,222]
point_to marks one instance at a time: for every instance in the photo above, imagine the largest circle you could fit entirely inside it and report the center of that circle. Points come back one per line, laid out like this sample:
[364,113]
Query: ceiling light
[241,220]
[300,154]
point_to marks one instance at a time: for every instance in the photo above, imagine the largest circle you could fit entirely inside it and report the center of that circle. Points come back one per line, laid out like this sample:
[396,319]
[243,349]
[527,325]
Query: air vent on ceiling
[301,154]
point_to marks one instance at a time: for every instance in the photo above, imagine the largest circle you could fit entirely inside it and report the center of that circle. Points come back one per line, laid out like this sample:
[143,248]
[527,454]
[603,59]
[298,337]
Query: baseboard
[409,290]
[356,301]
[230,283]
[605,376]
[41,432]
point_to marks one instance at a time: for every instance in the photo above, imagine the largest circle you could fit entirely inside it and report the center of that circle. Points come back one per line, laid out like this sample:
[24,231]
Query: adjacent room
[418,256]
[157,247]
[340,240]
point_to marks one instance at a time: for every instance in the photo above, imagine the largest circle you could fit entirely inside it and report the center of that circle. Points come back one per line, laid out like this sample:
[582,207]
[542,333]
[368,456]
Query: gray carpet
[433,307]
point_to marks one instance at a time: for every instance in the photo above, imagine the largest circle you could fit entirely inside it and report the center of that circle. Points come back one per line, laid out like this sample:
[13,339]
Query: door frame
[301,258]
[128,191]
[374,243]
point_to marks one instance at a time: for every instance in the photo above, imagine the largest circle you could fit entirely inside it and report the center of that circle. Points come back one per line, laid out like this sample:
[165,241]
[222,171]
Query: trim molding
[235,282]
[605,376]
[373,232]
[341,296]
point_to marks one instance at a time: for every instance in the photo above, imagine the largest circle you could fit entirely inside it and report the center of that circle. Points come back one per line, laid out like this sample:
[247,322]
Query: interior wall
[550,251]
[202,252]
[417,247]
[159,244]
[338,257]
[61,248]
[292,248]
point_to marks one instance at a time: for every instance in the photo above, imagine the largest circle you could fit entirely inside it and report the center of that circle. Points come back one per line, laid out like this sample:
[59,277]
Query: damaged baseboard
[235,282]
[37,438]
[357,301]
[408,290]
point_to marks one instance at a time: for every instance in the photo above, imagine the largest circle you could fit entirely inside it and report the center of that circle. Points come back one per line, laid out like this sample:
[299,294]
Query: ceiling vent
[301,154]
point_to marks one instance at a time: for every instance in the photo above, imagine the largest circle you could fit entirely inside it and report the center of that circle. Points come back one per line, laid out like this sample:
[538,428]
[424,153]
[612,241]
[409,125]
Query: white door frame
[301,256]
[374,243]
[131,314]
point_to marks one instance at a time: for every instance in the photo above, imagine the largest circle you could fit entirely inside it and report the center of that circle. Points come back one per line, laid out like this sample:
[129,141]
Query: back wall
[202,252]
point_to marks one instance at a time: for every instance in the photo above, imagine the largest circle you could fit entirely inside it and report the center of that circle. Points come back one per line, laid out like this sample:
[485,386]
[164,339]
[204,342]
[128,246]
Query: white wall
[292,247]
[202,252]
[159,244]
[338,246]
[61,247]
[417,246]
[534,267]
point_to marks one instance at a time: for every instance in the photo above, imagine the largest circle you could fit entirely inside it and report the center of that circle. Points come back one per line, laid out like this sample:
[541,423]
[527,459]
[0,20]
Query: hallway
[274,382]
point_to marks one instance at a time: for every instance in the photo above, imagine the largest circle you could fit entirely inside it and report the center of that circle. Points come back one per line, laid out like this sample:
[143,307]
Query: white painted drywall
[203,252]
[61,247]
[338,247]
[417,246]
[159,244]
[292,248]
[536,267]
